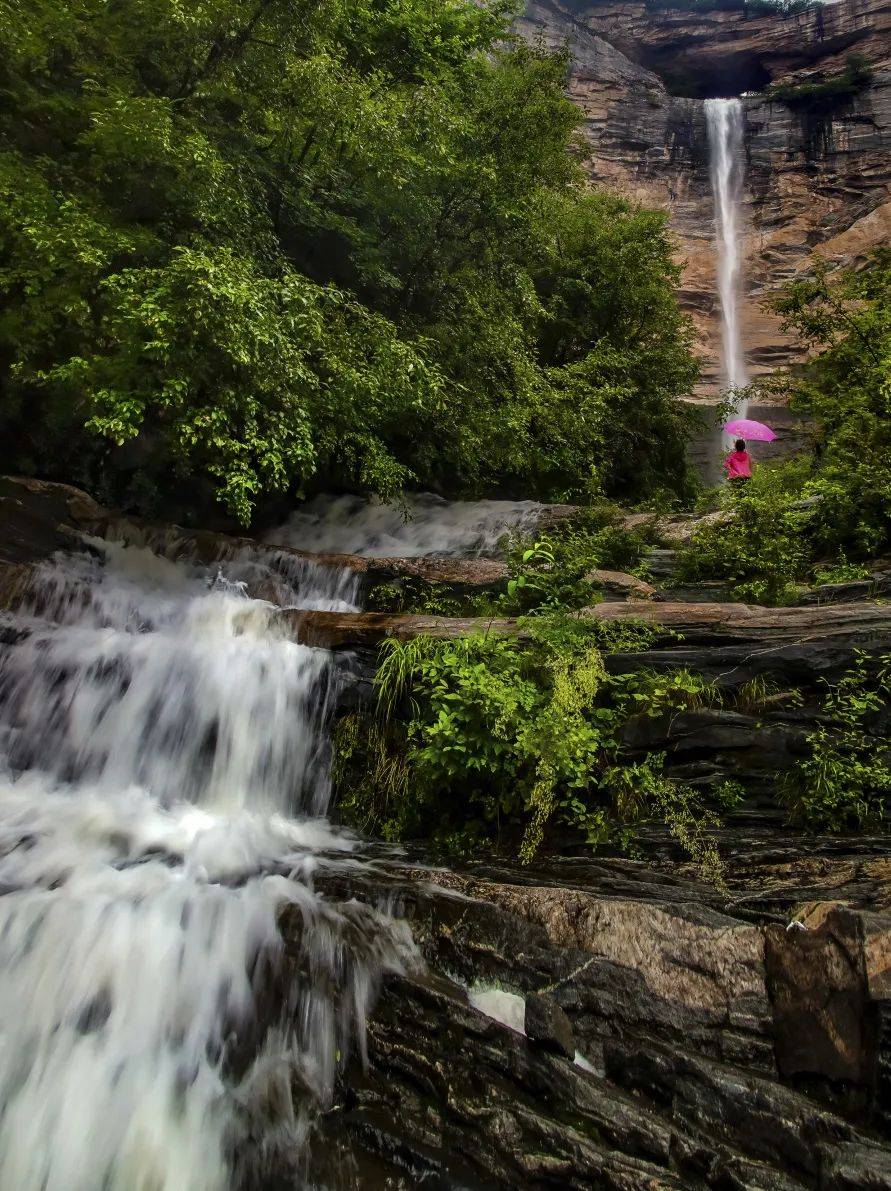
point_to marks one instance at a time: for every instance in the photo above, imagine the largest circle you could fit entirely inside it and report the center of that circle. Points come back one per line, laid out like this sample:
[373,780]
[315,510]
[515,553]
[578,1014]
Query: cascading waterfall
[423,524]
[162,782]
[163,787]
[726,138]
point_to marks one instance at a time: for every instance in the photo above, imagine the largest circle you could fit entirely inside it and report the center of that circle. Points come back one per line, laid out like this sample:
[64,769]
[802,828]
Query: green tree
[846,389]
[273,242]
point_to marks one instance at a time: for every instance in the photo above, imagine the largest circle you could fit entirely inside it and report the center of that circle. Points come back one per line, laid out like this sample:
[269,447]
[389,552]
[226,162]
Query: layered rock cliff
[818,170]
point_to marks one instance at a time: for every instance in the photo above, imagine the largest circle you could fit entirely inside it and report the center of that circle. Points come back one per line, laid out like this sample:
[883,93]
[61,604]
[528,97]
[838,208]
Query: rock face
[818,176]
[716,1048]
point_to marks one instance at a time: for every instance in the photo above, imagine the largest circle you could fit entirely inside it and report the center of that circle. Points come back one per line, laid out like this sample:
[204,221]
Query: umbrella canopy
[745,428]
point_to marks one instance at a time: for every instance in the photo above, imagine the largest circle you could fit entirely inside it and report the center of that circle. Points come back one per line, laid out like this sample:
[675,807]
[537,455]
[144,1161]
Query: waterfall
[163,782]
[726,138]
[164,788]
[423,524]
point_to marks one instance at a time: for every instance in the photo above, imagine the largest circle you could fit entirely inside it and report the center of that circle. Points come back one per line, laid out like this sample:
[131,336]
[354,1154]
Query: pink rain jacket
[738,465]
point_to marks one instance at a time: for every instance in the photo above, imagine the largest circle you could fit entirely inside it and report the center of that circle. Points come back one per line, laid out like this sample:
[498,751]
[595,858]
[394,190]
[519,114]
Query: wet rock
[455,1098]
[15,579]
[351,630]
[677,970]
[675,529]
[877,954]
[733,643]
[37,518]
[547,1025]
[825,1032]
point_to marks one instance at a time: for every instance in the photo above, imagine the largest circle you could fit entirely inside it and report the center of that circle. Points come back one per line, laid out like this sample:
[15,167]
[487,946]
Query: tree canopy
[345,242]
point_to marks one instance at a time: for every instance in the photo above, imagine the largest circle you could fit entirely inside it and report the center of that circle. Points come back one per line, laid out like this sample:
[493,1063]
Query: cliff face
[818,173]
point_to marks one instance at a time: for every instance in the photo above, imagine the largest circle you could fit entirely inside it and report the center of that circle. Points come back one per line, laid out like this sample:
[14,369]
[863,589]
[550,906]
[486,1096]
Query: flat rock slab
[691,624]
[621,585]
[679,1086]
[353,630]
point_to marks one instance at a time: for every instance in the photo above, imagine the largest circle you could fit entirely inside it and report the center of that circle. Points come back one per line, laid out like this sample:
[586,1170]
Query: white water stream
[725,120]
[163,779]
[425,524]
[163,787]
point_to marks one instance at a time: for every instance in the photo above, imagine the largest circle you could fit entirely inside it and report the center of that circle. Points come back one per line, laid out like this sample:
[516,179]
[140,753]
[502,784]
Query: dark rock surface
[547,1025]
[38,518]
[719,1050]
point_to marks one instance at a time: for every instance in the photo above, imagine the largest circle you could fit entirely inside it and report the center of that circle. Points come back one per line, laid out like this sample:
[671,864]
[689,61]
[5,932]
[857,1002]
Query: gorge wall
[818,169]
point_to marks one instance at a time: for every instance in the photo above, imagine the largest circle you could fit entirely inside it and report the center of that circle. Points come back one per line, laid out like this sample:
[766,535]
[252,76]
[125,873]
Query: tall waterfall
[726,139]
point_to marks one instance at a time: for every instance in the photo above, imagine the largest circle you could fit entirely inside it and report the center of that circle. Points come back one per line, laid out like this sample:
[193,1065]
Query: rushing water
[163,782]
[424,524]
[726,138]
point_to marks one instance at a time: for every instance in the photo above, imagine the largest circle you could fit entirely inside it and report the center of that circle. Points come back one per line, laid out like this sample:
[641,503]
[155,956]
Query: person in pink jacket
[738,463]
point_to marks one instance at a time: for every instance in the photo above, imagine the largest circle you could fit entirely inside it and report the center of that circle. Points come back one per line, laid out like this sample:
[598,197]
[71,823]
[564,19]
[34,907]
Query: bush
[496,740]
[846,390]
[763,545]
[552,573]
[856,77]
[846,781]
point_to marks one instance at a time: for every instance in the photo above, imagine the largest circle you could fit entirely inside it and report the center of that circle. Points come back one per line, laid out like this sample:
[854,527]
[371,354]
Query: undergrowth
[845,782]
[856,77]
[490,742]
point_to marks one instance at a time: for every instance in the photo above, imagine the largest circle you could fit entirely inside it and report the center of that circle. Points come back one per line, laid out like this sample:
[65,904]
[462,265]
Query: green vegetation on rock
[487,741]
[845,782]
[856,77]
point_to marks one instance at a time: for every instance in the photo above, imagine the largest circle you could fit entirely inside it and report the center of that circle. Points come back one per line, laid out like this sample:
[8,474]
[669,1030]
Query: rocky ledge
[601,1022]
[614,1024]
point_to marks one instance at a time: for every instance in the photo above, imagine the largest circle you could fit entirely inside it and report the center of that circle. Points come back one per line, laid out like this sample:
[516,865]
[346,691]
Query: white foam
[424,525]
[507,1007]
[162,783]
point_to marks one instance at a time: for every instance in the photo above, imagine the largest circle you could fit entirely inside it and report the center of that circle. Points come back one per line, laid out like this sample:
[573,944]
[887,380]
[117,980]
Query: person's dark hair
[740,444]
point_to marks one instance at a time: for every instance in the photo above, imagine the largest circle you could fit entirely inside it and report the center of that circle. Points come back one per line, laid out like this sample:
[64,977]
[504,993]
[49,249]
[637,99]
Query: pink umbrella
[754,431]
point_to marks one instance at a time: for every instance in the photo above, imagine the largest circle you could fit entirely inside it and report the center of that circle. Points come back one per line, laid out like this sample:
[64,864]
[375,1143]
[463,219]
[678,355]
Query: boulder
[824,1029]
[547,1025]
[622,586]
[37,518]
[689,1095]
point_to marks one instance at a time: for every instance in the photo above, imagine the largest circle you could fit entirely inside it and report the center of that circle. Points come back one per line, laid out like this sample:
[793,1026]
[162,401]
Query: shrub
[846,780]
[840,571]
[763,546]
[552,572]
[500,739]
[856,77]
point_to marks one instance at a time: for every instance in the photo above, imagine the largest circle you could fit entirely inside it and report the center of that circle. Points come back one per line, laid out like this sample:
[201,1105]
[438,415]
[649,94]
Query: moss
[856,77]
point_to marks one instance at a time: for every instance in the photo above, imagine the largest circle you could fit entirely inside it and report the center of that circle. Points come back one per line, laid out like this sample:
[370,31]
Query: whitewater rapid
[423,524]
[163,786]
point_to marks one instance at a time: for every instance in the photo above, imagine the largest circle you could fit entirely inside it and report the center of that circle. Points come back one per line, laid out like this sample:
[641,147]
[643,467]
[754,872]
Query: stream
[164,793]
